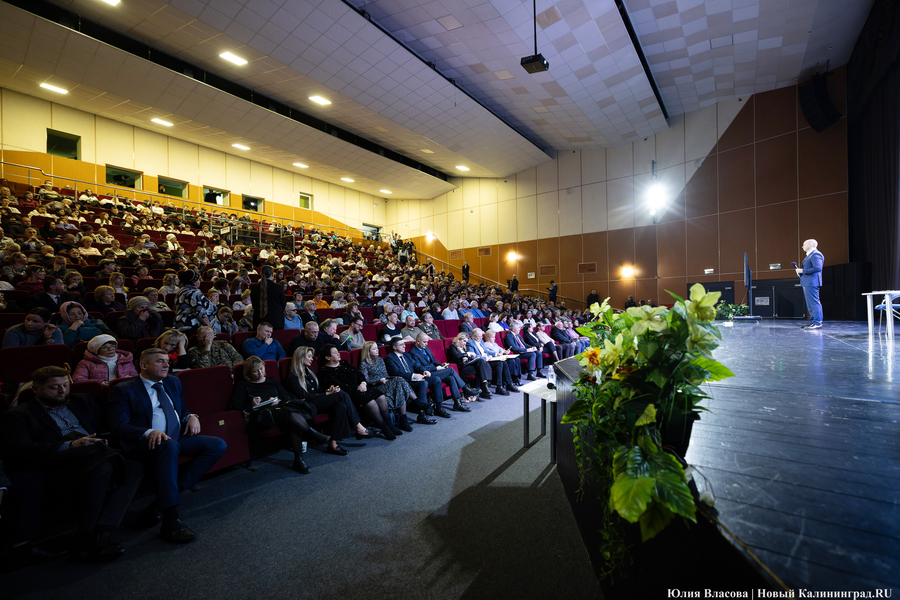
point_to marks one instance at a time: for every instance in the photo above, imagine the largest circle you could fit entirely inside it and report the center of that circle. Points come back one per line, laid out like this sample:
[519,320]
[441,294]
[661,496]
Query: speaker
[816,105]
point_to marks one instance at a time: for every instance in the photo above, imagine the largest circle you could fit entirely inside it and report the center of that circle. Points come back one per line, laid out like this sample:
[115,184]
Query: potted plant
[636,402]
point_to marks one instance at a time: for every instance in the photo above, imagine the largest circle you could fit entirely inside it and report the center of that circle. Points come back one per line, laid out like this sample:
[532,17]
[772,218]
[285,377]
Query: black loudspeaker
[816,105]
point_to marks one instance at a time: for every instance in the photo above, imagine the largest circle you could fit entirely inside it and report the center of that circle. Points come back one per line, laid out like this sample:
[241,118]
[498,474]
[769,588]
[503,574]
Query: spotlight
[627,272]
[656,198]
[512,256]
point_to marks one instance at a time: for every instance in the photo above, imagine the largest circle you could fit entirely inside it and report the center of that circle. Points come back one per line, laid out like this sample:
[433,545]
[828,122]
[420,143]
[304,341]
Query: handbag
[264,418]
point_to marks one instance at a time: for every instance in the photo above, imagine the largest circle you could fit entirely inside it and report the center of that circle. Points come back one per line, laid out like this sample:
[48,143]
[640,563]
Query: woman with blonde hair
[117,283]
[175,344]
[470,364]
[303,383]
[396,389]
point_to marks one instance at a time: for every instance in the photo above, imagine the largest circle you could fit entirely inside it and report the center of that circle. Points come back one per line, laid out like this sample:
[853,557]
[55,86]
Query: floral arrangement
[636,400]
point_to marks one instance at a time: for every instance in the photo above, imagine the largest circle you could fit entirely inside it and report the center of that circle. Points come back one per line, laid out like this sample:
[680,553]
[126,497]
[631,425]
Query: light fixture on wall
[429,237]
[512,256]
[627,272]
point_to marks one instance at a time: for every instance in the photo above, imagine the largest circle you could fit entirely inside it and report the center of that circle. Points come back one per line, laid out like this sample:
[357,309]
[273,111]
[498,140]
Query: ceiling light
[386,191]
[161,122]
[627,272]
[240,147]
[426,151]
[232,58]
[320,100]
[53,88]
[301,165]
[462,168]
[347,179]
[111,2]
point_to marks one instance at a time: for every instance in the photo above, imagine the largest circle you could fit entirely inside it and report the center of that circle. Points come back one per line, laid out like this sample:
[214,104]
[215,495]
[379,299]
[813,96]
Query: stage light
[656,198]
[627,272]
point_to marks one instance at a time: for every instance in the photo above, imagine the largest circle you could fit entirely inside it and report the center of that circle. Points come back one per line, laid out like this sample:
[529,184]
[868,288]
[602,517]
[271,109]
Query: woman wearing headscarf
[171,244]
[268,300]
[77,326]
[103,362]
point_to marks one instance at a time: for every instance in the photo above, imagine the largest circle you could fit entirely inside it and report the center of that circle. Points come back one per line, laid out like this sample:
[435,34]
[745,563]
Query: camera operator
[140,321]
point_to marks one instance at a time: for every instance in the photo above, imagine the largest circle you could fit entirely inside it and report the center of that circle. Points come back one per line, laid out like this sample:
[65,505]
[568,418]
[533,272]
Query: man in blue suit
[399,365]
[149,416]
[436,374]
[514,342]
[810,273]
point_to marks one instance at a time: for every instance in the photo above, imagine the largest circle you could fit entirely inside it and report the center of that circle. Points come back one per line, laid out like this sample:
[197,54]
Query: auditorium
[284,282]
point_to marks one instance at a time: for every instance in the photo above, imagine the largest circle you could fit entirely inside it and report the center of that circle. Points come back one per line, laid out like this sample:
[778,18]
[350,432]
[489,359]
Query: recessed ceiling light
[161,122]
[462,168]
[427,151]
[301,165]
[386,191]
[320,100]
[347,179]
[240,147]
[111,2]
[232,58]
[53,88]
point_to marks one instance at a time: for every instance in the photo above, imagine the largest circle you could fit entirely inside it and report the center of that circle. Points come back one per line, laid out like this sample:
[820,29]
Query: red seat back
[285,336]
[437,348]
[240,337]
[18,363]
[207,391]
[271,371]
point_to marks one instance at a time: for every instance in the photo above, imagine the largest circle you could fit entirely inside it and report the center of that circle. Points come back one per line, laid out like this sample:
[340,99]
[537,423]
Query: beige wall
[24,121]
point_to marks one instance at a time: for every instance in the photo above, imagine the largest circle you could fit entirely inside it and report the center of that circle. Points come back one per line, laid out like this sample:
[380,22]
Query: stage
[803,451]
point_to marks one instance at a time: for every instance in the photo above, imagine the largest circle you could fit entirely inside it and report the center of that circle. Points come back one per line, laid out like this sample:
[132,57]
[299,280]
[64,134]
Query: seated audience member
[244,302]
[397,391]
[310,313]
[210,352]
[338,301]
[428,327]
[469,363]
[174,343]
[352,337]
[351,312]
[309,336]
[450,313]
[153,297]
[398,365]
[34,279]
[411,330]
[52,296]
[534,336]
[56,434]
[318,298]
[559,335]
[467,325]
[157,438]
[501,376]
[291,319]
[170,285]
[105,301]
[328,333]
[334,371]
[103,362]
[18,264]
[392,330]
[494,349]
[516,344]
[263,345]
[35,331]
[245,323]
[630,302]
[78,326]
[436,374]
[140,320]
[224,322]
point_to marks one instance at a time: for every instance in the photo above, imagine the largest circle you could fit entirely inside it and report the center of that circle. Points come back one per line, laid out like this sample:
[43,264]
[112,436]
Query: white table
[539,388]
[870,310]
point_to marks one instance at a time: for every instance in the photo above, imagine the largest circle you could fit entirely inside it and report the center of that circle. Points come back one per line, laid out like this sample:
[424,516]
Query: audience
[263,346]
[103,362]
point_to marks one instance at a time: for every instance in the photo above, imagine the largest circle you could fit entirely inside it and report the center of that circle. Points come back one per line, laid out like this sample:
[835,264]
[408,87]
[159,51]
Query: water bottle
[551,378]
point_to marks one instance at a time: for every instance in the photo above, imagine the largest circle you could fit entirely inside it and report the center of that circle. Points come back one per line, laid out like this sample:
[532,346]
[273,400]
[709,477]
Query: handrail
[163,199]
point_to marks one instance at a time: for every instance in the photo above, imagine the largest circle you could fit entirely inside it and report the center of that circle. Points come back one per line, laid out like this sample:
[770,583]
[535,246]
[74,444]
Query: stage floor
[803,451]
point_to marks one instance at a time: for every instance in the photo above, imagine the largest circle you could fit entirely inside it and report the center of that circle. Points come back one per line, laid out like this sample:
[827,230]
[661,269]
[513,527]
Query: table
[539,388]
[870,310]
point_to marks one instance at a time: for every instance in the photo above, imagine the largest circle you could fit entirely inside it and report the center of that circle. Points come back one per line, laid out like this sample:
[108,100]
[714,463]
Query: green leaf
[577,412]
[654,520]
[717,371]
[672,491]
[637,465]
[658,378]
[676,296]
[647,417]
[629,497]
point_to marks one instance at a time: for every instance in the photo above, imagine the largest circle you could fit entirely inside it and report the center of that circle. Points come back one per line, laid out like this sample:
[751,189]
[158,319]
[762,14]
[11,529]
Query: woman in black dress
[372,403]
[288,416]
[531,338]
[268,300]
[303,383]
[470,364]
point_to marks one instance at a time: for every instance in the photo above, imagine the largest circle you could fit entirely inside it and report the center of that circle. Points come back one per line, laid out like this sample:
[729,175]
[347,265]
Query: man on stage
[810,273]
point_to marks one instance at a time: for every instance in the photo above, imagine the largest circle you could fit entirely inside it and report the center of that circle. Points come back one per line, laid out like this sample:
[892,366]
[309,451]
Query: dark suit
[515,343]
[566,345]
[424,361]
[131,415]
[307,316]
[469,366]
[811,281]
[551,297]
[466,327]
[31,441]
[403,366]
[43,300]
[499,369]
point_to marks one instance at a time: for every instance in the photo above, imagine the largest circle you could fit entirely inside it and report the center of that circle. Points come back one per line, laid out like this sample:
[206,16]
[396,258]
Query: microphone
[795,264]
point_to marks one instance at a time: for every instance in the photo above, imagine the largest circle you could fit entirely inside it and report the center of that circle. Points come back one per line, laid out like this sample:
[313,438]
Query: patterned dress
[191,305]
[396,389]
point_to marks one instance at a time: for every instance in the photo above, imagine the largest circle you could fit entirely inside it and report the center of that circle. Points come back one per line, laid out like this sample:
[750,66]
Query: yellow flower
[599,309]
[702,305]
[653,319]
[590,359]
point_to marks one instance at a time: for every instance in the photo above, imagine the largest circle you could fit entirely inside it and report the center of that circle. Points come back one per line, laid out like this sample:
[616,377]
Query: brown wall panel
[621,251]
[737,234]
[507,267]
[675,210]
[593,248]
[645,257]
[574,290]
[776,113]
[527,263]
[740,132]
[646,289]
[702,245]
[548,256]
[701,196]
[490,265]
[776,170]
[601,288]
[570,253]
[619,292]
[672,249]
[822,160]
[737,187]
[824,219]
[677,285]
[777,235]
